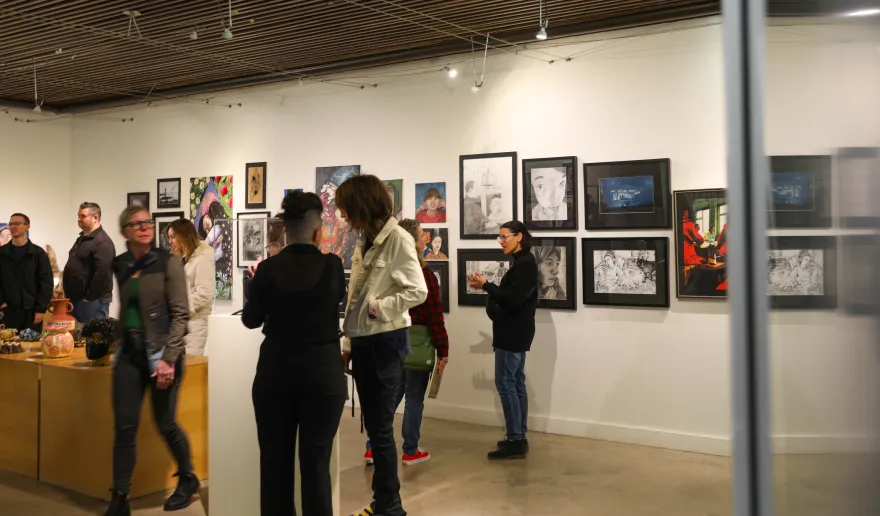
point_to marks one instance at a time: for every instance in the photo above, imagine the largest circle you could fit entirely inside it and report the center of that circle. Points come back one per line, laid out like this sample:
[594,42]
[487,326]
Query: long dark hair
[366,204]
[515,227]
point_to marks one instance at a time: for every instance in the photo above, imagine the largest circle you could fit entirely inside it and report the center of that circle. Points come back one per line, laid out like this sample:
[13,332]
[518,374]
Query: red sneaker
[368,457]
[419,457]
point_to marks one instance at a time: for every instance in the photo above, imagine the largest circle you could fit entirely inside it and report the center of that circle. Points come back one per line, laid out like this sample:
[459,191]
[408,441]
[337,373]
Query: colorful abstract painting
[210,204]
[338,237]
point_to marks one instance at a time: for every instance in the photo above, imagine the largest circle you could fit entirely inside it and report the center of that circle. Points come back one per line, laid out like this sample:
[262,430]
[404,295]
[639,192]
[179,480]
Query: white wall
[657,377]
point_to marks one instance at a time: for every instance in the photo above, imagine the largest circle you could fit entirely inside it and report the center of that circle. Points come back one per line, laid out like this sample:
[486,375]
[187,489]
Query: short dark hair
[515,227]
[301,213]
[93,208]
[27,220]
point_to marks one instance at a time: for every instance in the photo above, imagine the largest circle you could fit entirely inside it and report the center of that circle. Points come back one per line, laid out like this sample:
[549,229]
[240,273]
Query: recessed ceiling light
[864,12]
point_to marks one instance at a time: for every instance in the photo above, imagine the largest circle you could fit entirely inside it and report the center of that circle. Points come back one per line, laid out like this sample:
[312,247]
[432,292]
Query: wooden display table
[76,429]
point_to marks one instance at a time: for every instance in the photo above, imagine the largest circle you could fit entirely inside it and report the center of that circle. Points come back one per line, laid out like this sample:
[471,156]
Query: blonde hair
[187,238]
[412,227]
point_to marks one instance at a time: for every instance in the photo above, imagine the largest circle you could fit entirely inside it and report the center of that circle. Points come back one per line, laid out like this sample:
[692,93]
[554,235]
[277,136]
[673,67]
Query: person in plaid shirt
[415,383]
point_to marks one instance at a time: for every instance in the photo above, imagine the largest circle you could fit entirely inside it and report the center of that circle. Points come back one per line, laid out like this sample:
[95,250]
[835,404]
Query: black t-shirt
[18,252]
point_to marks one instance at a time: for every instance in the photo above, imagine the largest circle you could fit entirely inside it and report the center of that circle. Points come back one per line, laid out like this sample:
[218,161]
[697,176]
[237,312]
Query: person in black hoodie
[88,273]
[511,307]
[25,278]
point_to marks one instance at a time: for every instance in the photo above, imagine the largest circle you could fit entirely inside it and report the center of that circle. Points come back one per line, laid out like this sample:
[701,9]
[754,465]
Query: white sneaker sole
[369,461]
[416,461]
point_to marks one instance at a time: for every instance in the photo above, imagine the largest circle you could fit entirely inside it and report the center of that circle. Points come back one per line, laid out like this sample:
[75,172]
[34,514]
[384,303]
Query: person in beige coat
[198,262]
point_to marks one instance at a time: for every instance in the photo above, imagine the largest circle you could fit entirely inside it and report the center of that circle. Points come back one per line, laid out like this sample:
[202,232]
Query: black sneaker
[118,505]
[510,450]
[187,486]
[500,444]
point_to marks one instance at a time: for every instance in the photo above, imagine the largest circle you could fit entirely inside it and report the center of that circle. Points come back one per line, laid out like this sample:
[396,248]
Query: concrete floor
[563,476]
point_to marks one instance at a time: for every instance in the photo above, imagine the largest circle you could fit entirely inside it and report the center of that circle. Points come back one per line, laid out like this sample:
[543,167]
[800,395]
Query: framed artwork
[493,264]
[550,193]
[344,301]
[857,187]
[800,192]
[557,264]
[253,238]
[431,201]
[488,188]
[802,272]
[338,237]
[441,271]
[701,243]
[210,209]
[5,234]
[168,193]
[395,191]
[141,199]
[163,220]
[627,194]
[860,277]
[438,244]
[626,271]
[256,186]
[290,190]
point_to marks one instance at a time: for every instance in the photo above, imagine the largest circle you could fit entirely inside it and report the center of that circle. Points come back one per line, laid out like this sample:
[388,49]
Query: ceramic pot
[57,345]
[58,318]
[7,334]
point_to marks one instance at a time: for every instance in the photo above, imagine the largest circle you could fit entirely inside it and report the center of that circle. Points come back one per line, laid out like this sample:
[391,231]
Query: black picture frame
[629,249]
[256,179]
[531,199]
[811,177]
[162,220]
[701,268]
[241,221]
[344,302]
[859,274]
[467,297]
[796,268]
[164,198]
[604,177]
[858,189]
[441,269]
[141,199]
[556,256]
[476,218]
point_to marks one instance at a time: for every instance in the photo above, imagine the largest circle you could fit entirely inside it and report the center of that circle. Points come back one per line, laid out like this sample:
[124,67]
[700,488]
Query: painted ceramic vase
[58,318]
[57,345]
[7,334]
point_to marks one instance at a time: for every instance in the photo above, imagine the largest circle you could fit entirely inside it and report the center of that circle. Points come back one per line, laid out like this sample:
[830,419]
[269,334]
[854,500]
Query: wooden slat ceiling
[85,56]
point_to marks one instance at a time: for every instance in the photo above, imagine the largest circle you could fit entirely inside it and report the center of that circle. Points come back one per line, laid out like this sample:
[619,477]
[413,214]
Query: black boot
[118,505]
[500,444]
[187,486]
[510,450]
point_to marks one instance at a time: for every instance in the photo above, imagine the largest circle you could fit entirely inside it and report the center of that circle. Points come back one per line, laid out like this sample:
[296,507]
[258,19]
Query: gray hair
[128,213]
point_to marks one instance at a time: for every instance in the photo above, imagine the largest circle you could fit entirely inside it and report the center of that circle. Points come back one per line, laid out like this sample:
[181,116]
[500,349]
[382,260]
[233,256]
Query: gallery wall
[650,376]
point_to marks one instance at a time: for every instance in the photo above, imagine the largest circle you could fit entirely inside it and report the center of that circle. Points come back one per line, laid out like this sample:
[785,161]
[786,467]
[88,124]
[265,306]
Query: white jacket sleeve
[406,272]
[202,291]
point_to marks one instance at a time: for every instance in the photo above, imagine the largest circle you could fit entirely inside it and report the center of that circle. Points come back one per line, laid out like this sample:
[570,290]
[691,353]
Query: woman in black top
[300,384]
[511,306]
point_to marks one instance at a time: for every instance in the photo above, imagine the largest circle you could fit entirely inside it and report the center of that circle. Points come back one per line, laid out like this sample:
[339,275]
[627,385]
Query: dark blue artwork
[633,194]
[792,191]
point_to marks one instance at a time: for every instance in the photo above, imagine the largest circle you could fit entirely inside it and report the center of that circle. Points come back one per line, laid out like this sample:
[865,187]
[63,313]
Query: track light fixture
[227,27]
[542,23]
[194,35]
[453,73]
[132,20]
[37,104]
[227,34]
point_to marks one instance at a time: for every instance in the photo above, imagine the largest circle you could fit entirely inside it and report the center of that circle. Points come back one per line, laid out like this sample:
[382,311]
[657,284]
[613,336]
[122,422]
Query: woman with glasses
[154,311]
[511,307]
[198,263]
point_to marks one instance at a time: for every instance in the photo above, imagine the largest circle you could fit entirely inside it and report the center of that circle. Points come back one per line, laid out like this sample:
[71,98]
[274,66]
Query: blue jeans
[510,380]
[86,311]
[414,385]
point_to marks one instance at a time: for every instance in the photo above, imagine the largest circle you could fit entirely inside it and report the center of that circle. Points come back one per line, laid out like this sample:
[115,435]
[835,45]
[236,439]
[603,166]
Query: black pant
[19,319]
[131,376]
[300,388]
[377,366]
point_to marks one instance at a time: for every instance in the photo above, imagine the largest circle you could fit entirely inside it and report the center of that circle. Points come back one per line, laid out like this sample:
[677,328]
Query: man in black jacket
[25,278]
[88,274]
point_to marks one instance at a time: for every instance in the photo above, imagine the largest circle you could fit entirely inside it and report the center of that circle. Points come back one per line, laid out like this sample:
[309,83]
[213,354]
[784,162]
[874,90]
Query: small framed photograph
[256,186]
[252,237]
[800,192]
[141,199]
[394,187]
[857,188]
[626,271]
[438,244]
[493,264]
[168,193]
[163,220]
[344,302]
[441,271]
[802,272]
[627,194]
[701,243]
[550,193]
[488,194]
[557,264]
[431,201]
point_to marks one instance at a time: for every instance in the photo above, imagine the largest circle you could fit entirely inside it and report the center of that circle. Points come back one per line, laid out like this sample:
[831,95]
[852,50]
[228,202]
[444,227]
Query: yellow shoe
[369,510]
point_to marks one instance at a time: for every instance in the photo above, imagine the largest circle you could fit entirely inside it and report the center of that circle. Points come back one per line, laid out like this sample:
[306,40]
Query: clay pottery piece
[57,345]
[99,349]
[7,334]
[58,318]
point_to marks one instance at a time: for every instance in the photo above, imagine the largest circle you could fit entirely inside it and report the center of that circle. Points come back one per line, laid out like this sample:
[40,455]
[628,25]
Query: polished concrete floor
[563,476]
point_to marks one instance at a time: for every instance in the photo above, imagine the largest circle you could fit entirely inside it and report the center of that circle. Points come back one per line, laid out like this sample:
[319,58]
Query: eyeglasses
[141,224]
[502,238]
[17,224]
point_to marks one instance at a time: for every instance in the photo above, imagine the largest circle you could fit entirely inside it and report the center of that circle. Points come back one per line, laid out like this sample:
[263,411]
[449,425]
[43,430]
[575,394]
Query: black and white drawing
[556,272]
[492,271]
[252,242]
[493,264]
[625,272]
[550,193]
[488,190]
[168,193]
[141,199]
[802,272]
[163,220]
[441,272]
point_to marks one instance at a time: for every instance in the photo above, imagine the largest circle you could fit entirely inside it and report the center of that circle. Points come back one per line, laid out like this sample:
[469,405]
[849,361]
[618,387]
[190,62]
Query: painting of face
[550,196]
[437,247]
[553,269]
[5,234]
[432,207]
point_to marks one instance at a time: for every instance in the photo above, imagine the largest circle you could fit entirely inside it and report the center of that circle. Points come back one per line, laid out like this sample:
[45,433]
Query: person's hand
[422,207]
[346,362]
[441,364]
[252,269]
[4,305]
[476,280]
[38,318]
[443,204]
[164,374]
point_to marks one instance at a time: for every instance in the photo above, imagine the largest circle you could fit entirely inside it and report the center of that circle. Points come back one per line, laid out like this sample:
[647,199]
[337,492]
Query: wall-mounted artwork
[288,191]
[627,194]
[626,271]
[338,237]
[210,209]
[493,264]
[141,199]
[437,247]
[441,272]
[557,266]
[488,189]
[802,272]
[857,188]
[701,243]
[859,274]
[256,186]
[168,193]
[550,193]
[252,237]
[395,191]
[800,192]
[163,220]
[431,201]
[344,301]
[5,234]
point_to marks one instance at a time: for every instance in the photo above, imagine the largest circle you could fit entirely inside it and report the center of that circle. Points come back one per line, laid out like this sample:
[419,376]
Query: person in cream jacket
[198,263]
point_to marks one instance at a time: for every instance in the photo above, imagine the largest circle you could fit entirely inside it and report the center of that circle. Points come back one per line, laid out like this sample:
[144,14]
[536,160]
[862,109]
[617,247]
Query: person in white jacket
[198,262]
[386,281]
